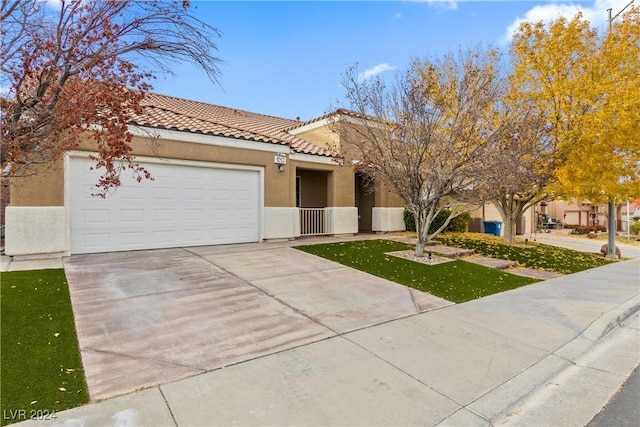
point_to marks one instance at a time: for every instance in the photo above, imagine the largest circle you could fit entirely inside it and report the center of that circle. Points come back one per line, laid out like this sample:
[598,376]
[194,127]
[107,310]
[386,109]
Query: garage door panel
[194,215]
[164,193]
[97,242]
[132,216]
[131,193]
[182,206]
[132,239]
[162,238]
[164,215]
[95,217]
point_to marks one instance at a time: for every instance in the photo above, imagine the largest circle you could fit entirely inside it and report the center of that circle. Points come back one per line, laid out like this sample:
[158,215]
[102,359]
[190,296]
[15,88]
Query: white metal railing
[315,221]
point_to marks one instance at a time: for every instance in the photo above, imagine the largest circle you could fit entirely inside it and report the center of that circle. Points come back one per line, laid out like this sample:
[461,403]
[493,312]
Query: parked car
[550,223]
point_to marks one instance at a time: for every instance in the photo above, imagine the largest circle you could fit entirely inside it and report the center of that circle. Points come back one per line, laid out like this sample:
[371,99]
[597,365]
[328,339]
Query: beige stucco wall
[47,187]
[313,188]
[340,182]
[321,136]
[44,189]
[384,197]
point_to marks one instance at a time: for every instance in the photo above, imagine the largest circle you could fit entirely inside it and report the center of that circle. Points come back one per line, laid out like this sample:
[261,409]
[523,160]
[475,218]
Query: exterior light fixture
[280,159]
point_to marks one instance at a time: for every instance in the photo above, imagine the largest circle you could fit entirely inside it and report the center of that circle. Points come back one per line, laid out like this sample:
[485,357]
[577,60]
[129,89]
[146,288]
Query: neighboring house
[585,213]
[221,176]
[562,212]
[574,212]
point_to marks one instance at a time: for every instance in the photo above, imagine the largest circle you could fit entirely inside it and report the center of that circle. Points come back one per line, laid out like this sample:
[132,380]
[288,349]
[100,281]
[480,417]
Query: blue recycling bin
[492,227]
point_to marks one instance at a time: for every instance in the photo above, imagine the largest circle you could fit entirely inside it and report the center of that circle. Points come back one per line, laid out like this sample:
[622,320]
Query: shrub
[459,223]
[635,227]
[409,220]
[581,229]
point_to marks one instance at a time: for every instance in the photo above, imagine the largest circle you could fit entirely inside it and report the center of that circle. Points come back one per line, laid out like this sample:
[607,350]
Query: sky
[287,58]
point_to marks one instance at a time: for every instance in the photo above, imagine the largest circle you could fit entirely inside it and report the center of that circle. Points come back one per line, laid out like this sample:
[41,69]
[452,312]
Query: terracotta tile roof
[167,112]
[339,111]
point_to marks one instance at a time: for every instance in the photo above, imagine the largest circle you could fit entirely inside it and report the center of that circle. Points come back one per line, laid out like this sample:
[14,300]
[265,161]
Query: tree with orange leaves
[80,69]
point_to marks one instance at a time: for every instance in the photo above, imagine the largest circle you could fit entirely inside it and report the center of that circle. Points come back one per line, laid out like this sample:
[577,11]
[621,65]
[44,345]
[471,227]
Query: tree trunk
[420,247]
[510,210]
[422,230]
[509,229]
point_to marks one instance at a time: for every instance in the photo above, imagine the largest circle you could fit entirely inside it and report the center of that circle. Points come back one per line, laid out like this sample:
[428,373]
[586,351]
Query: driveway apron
[151,317]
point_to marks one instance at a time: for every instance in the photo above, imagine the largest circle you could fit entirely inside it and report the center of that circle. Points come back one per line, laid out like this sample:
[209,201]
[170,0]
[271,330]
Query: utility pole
[611,226]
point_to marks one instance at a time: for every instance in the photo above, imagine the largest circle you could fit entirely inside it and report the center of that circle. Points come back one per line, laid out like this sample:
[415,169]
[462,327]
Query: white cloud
[443,4]
[374,71]
[54,4]
[596,14]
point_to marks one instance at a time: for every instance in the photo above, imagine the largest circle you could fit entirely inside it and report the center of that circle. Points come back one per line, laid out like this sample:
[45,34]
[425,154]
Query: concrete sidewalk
[552,353]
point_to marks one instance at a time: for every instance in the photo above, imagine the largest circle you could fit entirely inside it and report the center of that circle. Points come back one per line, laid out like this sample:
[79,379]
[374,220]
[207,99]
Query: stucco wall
[35,230]
[388,219]
[47,187]
[340,182]
[313,188]
[4,197]
[281,223]
[344,220]
[44,189]
[387,198]
[320,136]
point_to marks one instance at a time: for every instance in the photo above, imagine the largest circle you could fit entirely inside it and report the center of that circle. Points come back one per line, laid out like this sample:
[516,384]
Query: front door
[365,201]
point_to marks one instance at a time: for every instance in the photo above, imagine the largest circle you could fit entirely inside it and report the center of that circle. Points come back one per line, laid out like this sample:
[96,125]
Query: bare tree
[82,68]
[519,162]
[424,137]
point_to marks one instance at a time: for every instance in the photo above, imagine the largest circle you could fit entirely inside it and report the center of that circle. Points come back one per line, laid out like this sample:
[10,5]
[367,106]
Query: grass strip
[457,281]
[41,366]
[532,255]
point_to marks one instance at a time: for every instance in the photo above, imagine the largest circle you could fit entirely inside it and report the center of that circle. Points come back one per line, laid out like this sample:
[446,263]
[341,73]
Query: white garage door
[182,206]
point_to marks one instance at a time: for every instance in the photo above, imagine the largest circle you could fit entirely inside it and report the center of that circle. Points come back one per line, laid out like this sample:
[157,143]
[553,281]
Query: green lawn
[456,281]
[41,367]
[532,255]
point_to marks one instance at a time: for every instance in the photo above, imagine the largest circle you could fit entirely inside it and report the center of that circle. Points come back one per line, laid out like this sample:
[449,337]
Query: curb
[588,371]
[617,322]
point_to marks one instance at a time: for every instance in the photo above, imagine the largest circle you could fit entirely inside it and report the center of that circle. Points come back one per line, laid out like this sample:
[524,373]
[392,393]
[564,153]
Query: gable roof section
[168,112]
[319,121]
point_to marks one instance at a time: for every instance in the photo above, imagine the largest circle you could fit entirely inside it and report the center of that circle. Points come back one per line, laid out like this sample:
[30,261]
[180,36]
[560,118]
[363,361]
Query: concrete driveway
[153,317]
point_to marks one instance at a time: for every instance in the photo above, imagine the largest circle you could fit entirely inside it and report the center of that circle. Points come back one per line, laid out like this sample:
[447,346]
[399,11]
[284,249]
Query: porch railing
[315,221]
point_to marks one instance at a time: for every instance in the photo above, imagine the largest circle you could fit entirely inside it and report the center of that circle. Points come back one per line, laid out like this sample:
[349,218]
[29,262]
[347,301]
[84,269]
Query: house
[220,176]
[560,212]
[586,213]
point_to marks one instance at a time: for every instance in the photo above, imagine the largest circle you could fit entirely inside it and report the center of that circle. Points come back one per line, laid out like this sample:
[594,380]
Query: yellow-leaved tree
[587,85]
